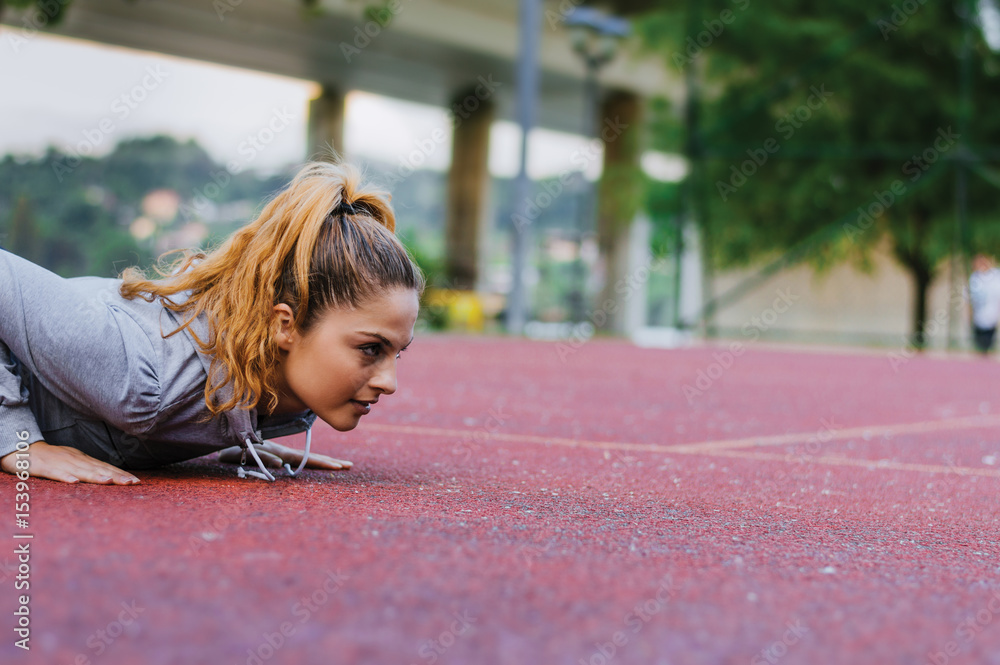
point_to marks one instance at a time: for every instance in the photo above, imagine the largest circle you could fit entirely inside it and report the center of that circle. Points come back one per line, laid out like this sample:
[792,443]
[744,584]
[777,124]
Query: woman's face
[347,360]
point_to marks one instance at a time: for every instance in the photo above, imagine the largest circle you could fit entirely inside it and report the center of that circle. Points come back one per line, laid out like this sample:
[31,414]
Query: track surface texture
[530,502]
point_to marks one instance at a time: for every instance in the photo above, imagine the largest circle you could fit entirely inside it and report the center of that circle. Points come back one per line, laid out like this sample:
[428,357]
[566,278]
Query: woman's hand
[67,465]
[275,455]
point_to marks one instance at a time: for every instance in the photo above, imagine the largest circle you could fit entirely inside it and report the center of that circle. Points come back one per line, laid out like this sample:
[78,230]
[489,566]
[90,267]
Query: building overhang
[427,52]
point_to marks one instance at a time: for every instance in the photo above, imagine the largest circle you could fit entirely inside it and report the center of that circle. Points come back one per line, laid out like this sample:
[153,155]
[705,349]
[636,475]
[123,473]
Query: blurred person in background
[984,295]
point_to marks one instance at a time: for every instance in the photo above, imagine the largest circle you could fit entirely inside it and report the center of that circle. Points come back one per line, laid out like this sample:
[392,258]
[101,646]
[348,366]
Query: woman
[300,314]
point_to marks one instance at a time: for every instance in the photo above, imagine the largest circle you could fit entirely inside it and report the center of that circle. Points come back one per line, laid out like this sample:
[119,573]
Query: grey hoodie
[81,366]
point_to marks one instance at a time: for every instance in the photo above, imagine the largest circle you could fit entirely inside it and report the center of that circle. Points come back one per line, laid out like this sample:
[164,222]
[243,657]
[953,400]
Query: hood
[244,426]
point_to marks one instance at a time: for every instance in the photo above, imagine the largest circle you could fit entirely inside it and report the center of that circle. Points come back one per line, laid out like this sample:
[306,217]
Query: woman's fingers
[55,474]
[69,465]
[100,475]
[324,462]
[270,460]
[89,470]
[316,461]
[231,455]
[274,455]
[235,454]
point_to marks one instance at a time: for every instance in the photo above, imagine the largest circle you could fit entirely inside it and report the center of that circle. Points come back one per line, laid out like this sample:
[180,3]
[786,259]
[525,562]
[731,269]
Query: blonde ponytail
[325,241]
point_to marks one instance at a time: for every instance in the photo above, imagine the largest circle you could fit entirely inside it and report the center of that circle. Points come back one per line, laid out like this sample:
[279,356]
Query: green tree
[49,12]
[52,12]
[23,238]
[826,130]
[72,214]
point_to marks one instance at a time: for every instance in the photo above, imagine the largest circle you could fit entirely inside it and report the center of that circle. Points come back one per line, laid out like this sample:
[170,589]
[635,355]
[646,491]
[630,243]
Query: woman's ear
[284,326]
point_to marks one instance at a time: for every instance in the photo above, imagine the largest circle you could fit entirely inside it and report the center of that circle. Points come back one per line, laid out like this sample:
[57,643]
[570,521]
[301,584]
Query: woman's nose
[385,378]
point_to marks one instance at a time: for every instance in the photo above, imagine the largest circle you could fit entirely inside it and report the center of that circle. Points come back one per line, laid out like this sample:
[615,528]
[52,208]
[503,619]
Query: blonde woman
[300,314]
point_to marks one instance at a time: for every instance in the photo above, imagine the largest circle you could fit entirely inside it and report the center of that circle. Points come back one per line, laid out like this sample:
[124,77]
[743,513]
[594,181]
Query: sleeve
[17,422]
[16,419]
[75,338]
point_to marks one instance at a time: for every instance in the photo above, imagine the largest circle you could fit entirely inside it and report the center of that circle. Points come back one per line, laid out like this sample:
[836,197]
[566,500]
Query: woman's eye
[371,350]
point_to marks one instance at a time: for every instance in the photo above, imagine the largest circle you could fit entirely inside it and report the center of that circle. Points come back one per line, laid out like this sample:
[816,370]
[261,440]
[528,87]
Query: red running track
[518,503]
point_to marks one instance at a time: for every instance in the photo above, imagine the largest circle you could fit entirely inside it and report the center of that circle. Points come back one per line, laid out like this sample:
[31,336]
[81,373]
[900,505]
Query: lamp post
[527,98]
[595,37]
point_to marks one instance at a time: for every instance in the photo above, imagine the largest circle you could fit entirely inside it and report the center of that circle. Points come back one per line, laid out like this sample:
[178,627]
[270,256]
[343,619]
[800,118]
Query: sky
[73,94]
[84,97]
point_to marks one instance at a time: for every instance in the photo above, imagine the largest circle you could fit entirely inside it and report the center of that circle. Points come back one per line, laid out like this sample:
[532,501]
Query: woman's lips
[362,407]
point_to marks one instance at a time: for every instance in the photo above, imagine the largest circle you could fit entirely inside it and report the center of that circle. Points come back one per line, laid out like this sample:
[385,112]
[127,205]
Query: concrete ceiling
[429,50]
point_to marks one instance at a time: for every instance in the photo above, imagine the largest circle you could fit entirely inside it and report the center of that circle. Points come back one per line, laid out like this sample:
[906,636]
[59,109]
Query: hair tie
[346,208]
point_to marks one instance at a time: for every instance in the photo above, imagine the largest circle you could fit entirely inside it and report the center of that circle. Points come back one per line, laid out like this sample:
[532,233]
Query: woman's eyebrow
[382,338]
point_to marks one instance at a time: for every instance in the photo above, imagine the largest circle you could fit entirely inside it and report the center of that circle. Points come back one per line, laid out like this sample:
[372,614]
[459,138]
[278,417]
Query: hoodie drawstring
[264,474]
[305,456]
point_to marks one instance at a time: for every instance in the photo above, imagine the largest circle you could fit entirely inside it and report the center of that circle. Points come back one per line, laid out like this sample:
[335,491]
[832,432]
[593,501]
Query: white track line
[729,447]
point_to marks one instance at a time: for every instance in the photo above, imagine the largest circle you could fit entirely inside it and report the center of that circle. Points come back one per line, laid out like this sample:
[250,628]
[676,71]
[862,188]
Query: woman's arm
[17,422]
[67,465]
[18,425]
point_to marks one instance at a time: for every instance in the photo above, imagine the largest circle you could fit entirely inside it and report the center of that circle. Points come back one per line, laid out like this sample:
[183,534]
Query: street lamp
[595,37]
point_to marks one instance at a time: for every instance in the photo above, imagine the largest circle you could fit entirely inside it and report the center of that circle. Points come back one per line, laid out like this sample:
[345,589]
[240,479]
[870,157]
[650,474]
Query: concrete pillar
[640,266]
[467,220]
[326,125]
[619,194]
[691,276]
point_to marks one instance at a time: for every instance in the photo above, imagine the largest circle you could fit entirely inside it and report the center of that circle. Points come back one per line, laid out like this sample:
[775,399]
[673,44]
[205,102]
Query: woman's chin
[344,424]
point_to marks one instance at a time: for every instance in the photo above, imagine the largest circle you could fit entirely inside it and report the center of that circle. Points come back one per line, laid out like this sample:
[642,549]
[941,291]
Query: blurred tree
[52,12]
[73,214]
[23,238]
[138,166]
[49,12]
[826,129]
